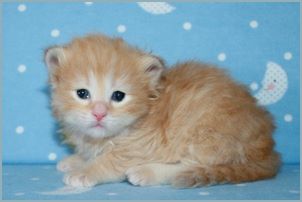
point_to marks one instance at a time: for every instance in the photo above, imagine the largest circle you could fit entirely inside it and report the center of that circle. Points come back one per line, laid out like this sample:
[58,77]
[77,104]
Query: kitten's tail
[228,173]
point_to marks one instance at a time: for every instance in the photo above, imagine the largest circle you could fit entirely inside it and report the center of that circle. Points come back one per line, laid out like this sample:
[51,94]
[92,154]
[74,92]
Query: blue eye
[83,94]
[117,96]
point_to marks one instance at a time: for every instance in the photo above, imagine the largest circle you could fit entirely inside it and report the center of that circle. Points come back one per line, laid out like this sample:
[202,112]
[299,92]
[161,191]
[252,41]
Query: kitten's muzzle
[99,111]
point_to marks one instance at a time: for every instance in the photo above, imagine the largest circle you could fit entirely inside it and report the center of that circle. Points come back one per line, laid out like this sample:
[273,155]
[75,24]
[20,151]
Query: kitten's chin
[98,132]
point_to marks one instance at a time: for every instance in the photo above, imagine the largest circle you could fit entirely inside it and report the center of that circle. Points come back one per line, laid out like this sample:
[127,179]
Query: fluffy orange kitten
[130,118]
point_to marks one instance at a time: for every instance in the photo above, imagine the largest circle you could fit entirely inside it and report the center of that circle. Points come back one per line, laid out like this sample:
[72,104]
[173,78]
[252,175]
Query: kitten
[131,118]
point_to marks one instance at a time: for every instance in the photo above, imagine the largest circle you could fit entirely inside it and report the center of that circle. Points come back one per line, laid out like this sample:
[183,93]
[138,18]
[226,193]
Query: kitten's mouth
[98,125]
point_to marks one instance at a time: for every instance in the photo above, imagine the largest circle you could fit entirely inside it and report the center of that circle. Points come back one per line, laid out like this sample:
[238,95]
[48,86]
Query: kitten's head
[100,85]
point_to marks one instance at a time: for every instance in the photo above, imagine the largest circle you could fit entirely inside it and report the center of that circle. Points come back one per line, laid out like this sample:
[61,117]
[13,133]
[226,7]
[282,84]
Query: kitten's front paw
[79,179]
[70,163]
[64,166]
[141,176]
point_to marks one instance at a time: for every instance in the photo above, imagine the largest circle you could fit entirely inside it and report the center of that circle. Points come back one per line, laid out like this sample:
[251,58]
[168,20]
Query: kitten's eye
[83,94]
[117,96]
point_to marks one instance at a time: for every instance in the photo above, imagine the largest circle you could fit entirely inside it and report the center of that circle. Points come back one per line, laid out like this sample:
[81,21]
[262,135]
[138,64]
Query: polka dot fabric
[242,38]
[156,8]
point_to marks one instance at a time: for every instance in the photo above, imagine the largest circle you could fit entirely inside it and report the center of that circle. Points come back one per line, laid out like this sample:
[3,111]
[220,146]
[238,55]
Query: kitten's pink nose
[99,111]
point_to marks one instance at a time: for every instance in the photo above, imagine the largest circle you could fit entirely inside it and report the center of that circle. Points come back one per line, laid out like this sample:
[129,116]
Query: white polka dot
[88,3]
[240,185]
[288,56]
[294,191]
[253,24]
[52,156]
[21,68]
[22,7]
[19,194]
[121,28]
[254,86]
[203,193]
[187,26]
[221,57]
[288,118]
[55,33]
[20,130]
[111,194]
[34,179]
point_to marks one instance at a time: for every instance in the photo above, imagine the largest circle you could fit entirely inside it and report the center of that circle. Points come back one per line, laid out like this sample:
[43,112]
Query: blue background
[216,28]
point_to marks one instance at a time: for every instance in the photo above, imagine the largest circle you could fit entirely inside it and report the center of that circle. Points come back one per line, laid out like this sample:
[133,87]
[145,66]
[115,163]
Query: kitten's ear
[53,57]
[153,68]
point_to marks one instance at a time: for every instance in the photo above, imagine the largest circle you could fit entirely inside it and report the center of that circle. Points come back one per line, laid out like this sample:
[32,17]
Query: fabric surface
[44,182]
[258,43]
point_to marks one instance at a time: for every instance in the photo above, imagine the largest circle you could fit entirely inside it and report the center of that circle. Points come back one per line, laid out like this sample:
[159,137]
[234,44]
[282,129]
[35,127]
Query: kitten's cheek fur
[72,119]
[78,120]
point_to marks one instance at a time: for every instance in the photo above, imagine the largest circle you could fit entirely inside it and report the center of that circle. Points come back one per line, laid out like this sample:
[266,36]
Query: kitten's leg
[180,175]
[70,163]
[153,173]
[102,169]
[227,173]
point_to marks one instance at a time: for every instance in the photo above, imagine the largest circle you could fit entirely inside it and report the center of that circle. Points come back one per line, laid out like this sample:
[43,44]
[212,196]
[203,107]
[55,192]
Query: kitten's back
[198,98]
[221,122]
